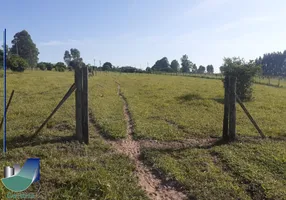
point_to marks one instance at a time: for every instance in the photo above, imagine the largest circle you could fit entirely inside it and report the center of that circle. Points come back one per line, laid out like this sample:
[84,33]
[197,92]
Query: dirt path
[152,185]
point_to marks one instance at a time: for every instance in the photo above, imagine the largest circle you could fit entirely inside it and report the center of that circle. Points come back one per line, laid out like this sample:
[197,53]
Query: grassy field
[69,170]
[163,108]
[175,108]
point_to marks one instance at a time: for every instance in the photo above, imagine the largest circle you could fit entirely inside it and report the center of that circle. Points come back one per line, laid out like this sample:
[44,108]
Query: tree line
[24,54]
[273,64]
[187,66]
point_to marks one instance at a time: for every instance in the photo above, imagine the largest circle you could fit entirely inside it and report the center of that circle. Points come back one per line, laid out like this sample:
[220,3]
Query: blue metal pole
[4,65]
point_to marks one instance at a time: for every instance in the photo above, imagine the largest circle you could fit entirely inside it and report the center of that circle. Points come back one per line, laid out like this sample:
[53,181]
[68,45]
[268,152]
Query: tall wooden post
[78,102]
[232,108]
[84,102]
[226,109]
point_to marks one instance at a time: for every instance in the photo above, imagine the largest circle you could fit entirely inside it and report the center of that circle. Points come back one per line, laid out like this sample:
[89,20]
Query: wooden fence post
[232,108]
[226,109]
[78,103]
[84,107]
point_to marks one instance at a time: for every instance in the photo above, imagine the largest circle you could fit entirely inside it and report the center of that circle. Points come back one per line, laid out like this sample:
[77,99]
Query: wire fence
[274,81]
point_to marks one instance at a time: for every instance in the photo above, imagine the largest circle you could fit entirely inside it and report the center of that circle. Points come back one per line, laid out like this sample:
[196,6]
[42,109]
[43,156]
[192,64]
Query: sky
[140,32]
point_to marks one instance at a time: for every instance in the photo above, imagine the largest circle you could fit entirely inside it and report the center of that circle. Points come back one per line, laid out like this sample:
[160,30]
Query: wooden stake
[85,133]
[250,117]
[67,95]
[232,108]
[78,103]
[225,134]
[7,106]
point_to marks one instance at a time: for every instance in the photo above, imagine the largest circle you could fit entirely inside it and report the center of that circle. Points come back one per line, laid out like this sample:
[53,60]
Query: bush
[16,63]
[41,66]
[60,67]
[49,66]
[244,72]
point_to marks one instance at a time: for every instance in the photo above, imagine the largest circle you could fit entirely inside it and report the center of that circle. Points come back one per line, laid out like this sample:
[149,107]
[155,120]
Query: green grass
[165,108]
[194,106]
[238,171]
[107,106]
[68,170]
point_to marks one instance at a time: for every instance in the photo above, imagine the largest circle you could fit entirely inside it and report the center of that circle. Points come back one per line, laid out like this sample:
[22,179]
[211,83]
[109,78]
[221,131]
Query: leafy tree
[148,69]
[2,54]
[67,57]
[201,69]
[42,66]
[244,72]
[73,64]
[273,64]
[75,54]
[210,69]
[162,65]
[49,66]
[128,69]
[60,67]
[195,68]
[186,64]
[16,63]
[107,66]
[175,65]
[73,58]
[24,46]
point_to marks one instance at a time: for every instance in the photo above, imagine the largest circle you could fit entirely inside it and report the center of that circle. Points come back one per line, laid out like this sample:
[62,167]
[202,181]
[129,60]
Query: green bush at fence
[244,72]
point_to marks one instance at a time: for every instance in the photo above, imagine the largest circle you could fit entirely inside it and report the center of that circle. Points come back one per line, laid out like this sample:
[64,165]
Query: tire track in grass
[150,183]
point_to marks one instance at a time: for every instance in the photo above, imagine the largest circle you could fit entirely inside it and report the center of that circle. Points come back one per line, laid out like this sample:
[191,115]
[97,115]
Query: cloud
[61,43]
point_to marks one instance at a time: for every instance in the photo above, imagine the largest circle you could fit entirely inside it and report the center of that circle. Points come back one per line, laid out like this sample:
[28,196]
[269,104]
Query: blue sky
[134,32]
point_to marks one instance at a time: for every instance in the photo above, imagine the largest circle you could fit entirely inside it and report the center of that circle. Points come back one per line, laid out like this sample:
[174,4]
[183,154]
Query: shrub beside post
[244,73]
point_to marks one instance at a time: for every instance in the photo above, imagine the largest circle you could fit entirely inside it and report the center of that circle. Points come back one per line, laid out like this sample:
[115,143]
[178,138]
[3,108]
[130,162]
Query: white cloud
[61,43]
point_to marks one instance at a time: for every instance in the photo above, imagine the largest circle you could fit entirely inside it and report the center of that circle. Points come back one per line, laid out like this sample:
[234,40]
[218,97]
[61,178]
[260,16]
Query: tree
[244,72]
[60,66]
[128,69]
[2,54]
[186,64]
[75,54]
[73,58]
[162,65]
[49,66]
[24,47]
[42,66]
[195,68]
[210,69]
[273,64]
[201,69]
[107,66]
[67,57]
[148,69]
[16,63]
[175,65]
